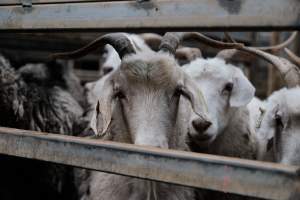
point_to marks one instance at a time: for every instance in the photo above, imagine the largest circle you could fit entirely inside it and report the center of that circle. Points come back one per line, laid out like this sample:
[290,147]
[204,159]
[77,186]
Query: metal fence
[151,15]
[245,177]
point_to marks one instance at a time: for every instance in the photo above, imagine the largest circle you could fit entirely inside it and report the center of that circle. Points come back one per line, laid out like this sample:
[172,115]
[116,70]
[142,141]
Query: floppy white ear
[102,115]
[243,91]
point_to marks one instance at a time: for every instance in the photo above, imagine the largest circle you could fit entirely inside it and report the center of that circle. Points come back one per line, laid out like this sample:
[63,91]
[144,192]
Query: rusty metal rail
[252,178]
[152,15]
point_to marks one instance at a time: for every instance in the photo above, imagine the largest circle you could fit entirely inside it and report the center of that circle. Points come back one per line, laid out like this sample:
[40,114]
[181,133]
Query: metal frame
[152,15]
[246,177]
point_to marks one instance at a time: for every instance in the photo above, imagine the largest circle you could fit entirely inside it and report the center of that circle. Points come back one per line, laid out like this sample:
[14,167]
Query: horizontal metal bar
[19,2]
[151,15]
[265,180]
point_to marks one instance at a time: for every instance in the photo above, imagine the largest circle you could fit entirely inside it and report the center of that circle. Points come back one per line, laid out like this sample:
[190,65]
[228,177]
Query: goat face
[148,88]
[281,124]
[225,89]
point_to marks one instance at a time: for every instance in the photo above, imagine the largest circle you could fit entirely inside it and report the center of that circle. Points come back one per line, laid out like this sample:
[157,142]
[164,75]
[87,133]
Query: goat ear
[102,115]
[195,96]
[242,92]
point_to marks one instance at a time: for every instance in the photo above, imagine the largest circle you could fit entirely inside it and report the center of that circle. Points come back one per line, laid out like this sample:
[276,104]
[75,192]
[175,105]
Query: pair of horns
[289,72]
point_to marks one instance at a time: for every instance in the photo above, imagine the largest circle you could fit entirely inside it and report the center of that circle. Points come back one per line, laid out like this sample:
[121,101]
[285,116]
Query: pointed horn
[119,41]
[289,72]
[269,48]
[295,59]
[171,41]
[281,45]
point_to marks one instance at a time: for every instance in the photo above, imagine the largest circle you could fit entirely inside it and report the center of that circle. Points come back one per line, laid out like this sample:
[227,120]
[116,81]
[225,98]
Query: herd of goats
[147,97]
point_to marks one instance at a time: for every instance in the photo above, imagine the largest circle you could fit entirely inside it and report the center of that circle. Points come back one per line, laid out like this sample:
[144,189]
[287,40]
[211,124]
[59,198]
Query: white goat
[150,101]
[227,92]
[280,124]
[229,95]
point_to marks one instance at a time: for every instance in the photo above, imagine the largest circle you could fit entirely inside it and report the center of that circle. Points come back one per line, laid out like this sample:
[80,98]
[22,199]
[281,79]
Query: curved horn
[171,41]
[295,59]
[281,45]
[119,41]
[269,48]
[289,72]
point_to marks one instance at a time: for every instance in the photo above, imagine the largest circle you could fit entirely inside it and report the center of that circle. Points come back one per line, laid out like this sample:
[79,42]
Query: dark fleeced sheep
[37,97]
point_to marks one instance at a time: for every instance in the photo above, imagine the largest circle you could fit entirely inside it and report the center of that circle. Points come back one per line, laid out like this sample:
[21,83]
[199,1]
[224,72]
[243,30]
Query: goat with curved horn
[119,41]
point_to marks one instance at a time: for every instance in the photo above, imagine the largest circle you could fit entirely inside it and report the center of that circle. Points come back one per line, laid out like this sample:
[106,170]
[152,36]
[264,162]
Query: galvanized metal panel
[265,180]
[169,14]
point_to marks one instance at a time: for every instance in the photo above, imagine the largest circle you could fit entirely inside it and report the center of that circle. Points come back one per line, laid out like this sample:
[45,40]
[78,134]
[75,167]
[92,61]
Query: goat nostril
[201,125]
[106,69]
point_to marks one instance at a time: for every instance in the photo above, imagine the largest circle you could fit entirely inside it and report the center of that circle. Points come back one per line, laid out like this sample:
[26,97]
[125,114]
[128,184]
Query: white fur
[112,59]
[284,102]
[230,133]
[256,112]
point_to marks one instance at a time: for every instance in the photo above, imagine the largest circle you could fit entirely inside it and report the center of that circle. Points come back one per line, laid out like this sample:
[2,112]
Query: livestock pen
[22,18]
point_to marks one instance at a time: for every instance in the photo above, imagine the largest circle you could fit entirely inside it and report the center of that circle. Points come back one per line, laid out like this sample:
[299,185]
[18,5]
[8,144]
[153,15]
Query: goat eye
[228,87]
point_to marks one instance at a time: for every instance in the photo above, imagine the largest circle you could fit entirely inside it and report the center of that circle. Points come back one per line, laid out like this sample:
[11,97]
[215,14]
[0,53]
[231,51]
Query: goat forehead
[152,68]
[210,68]
[286,100]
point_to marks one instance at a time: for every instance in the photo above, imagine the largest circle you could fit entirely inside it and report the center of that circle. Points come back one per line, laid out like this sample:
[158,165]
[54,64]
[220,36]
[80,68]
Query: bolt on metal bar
[245,177]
